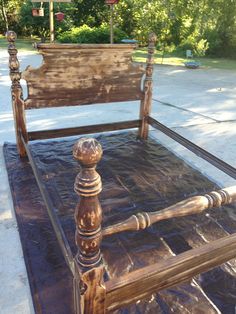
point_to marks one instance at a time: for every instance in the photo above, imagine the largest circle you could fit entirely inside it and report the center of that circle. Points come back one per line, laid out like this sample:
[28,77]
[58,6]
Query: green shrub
[198,46]
[91,35]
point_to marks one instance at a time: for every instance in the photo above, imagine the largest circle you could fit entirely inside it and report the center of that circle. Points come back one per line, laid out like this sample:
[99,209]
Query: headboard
[84,74]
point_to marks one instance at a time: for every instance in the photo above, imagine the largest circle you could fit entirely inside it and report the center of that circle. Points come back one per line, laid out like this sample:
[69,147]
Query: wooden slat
[76,75]
[39,135]
[143,282]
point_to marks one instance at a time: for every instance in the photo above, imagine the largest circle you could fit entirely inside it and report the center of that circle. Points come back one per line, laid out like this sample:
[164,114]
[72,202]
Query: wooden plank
[143,282]
[39,135]
[78,75]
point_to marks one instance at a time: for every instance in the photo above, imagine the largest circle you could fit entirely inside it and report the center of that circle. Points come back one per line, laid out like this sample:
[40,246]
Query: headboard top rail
[42,46]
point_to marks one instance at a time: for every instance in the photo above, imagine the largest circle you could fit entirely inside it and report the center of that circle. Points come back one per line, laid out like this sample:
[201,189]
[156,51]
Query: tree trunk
[4,14]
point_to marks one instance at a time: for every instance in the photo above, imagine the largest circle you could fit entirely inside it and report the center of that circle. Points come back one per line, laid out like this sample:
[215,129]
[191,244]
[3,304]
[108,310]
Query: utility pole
[111,23]
[51,16]
[51,21]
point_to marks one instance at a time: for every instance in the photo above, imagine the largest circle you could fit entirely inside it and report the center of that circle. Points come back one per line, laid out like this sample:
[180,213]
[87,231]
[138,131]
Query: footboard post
[146,102]
[17,94]
[89,291]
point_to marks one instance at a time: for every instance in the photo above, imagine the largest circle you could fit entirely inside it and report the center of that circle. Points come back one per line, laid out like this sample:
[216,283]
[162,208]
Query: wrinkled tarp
[136,175]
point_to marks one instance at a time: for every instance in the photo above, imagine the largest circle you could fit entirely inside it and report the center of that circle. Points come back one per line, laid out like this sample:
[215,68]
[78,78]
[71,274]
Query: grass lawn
[172,59]
[22,44]
[141,54]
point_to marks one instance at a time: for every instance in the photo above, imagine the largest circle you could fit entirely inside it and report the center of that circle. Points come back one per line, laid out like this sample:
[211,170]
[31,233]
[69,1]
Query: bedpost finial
[152,38]
[87,151]
[11,36]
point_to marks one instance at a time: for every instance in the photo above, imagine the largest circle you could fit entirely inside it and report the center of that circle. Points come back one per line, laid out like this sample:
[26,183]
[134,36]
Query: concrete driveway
[199,104]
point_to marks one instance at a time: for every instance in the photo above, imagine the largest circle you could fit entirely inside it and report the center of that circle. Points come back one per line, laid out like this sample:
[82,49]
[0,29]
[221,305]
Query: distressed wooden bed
[74,75]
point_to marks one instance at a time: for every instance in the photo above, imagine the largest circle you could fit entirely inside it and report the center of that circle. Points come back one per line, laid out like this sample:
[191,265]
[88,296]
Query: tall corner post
[89,291]
[17,94]
[146,103]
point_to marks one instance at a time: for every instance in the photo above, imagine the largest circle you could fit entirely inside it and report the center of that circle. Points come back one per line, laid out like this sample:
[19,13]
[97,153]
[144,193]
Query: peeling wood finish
[17,94]
[190,206]
[83,74]
[143,282]
[88,218]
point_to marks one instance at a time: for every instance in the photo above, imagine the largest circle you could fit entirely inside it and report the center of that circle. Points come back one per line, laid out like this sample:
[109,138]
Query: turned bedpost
[89,290]
[17,94]
[146,102]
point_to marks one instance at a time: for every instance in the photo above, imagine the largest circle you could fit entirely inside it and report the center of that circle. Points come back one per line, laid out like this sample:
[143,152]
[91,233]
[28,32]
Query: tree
[9,13]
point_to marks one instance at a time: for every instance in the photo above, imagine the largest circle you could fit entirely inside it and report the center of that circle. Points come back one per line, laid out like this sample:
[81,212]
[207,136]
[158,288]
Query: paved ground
[199,104]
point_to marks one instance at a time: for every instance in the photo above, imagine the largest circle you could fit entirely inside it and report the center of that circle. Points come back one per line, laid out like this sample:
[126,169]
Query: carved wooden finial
[147,88]
[87,151]
[13,61]
[11,36]
[152,38]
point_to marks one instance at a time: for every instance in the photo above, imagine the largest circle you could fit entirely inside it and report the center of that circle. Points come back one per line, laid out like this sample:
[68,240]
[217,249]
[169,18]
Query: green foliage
[91,35]
[92,12]
[9,14]
[204,26]
[198,46]
[39,26]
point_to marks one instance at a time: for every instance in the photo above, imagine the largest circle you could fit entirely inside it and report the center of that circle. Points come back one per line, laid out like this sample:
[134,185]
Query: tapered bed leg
[146,103]
[17,95]
[89,291]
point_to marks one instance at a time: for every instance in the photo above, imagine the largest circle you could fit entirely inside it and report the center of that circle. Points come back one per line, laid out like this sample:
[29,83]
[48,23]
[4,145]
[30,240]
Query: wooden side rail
[141,283]
[190,206]
[96,128]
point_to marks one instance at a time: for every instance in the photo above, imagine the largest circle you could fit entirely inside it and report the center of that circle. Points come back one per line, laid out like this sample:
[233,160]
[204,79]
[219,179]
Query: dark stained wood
[88,218]
[83,74]
[190,206]
[39,135]
[17,95]
[146,102]
[217,162]
[143,282]
[60,235]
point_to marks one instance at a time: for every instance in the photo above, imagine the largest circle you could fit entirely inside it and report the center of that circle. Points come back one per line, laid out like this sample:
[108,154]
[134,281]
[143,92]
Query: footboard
[92,294]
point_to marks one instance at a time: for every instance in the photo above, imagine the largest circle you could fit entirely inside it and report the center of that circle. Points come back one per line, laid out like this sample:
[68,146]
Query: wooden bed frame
[74,75]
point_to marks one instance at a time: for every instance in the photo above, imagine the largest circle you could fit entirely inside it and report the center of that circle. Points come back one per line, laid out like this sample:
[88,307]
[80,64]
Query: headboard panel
[83,74]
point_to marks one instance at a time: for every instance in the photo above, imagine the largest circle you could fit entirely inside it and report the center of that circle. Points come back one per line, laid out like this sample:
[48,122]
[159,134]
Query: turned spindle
[17,94]
[146,103]
[88,218]
[190,206]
